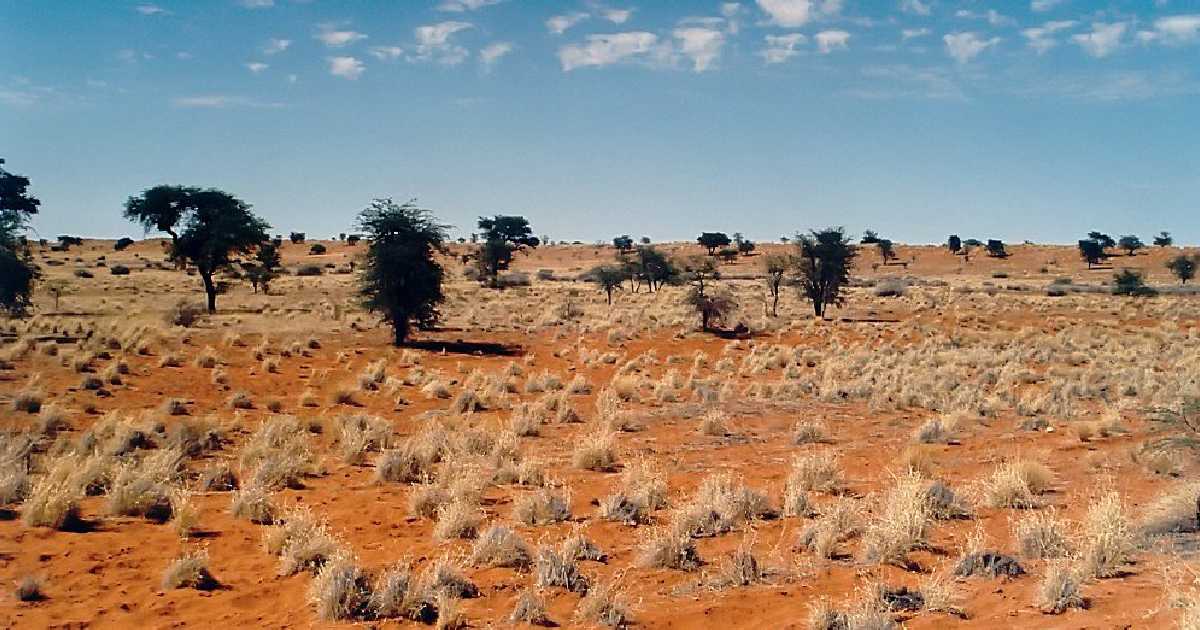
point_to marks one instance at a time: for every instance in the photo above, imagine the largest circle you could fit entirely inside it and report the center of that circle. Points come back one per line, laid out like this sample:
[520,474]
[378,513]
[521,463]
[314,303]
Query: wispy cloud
[559,24]
[1174,30]
[1040,6]
[1041,38]
[257,67]
[616,16]
[335,38]
[780,48]
[1103,40]
[257,4]
[386,52]
[916,7]
[221,101]
[828,41]
[151,9]
[433,43]
[460,6]
[490,54]
[903,81]
[963,47]
[701,45]
[346,67]
[605,50]
[274,46]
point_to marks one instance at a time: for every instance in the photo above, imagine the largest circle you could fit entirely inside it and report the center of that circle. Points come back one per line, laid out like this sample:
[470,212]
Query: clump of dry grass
[530,608]
[641,491]
[544,506]
[669,547]
[810,432]
[30,588]
[414,460]
[945,503]
[556,567]
[1174,511]
[358,434]
[302,541]
[902,522]
[1016,484]
[720,504]
[445,576]
[867,614]
[189,571]
[715,423]
[184,515]
[144,488]
[29,398]
[340,590]
[604,605]
[838,522]
[596,451]
[740,568]
[278,453]
[815,472]
[397,593]
[1059,589]
[253,503]
[499,546]
[1107,538]
[1041,535]
[457,519]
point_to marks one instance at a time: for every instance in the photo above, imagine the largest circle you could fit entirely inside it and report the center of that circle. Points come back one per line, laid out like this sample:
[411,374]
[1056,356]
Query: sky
[1022,120]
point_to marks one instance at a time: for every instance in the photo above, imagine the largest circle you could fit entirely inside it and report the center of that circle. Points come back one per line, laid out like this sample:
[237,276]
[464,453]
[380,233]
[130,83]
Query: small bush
[183,314]
[309,270]
[189,571]
[119,270]
[316,249]
[1059,589]
[499,546]
[30,588]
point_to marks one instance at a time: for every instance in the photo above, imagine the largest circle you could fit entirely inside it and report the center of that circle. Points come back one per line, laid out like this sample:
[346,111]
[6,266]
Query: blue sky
[917,118]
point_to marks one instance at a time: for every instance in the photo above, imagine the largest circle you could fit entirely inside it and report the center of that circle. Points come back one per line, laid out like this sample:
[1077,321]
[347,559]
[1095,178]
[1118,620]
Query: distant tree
[777,267]
[401,278]
[1130,244]
[870,237]
[995,248]
[123,243]
[296,237]
[1132,283]
[623,243]
[1091,251]
[268,256]
[886,251]
[785,239]
[206,227]
[711,303]
[316,249]
[652,267]
[1105,240]
[263,271]
[609,278]
[1184,267]
[825,259]
[728,254]
[353,239]
[745,247]
[712,241]
[502,236]
[1163,239]
[973,242]
[17,270]
[954,244]
[645,240]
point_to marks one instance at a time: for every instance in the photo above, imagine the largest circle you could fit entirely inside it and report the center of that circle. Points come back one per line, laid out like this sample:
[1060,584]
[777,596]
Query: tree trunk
[400,331]
[610,297]
[211,290]
[775,303]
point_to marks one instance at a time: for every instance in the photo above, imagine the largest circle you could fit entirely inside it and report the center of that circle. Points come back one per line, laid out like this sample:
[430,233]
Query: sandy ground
[109,575]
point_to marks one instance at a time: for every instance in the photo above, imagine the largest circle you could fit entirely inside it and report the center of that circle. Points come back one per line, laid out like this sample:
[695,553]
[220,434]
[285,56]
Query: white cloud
[336,39]
[1040,6]
[1040,38]
[257,67]
[433,43]
[963,47]
[730,9]
[604,50]
[1178,29]
[617,16]
[827,41]
[913,33]
[787,13]
[220,101]
[831,7]
[780,48]
[151,9]
[275,46]
[257,4]
[1103,40]
[386,52]
[905,81]
[459,6]
[701,45]
[915,6]
[492,53]
[346,67]
[559,24]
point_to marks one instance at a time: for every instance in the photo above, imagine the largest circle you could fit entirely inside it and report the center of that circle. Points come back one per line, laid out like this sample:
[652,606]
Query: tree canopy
[401,278]
[713,240]
[1091,251]
[502,235]
[825,259]
[207,226]
[17,271]
[1130,243]
[1163,239]
[1184,267]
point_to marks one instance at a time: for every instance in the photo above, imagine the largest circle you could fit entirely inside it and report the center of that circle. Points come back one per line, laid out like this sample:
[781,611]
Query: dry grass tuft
[605,606]
[815,472]
[31,588]
[340,589]
[544,506]
[1059,589]
[499,546]
[902,524]
[1016,484]
[1107,538]
[190,571]
[1041,535]
[596,451]
[530,608]
[556,567]
[457,519]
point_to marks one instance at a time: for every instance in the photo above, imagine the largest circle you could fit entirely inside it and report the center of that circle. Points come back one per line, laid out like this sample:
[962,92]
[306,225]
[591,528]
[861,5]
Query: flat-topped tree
[824,261]
[713,241]
[402,278]
[886,251]
[954,244]
[17,271]
[1130,243]
[995,248]
[1091,251]
[1163,239]
[1105,240]
[623,243]
[609,278]
[207,227]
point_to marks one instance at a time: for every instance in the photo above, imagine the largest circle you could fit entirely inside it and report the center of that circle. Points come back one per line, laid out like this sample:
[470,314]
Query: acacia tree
[954,243]
[713,240]
[995,248]
[401,278]
[1163,239]
[1130,243]
[609,278]
[623,243]
[886,251]
[777,268]
[262,271]
[502,235]
[1184,267]
[1091,251]
[207,227]
[824,263]
[710,302]
[17,271]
